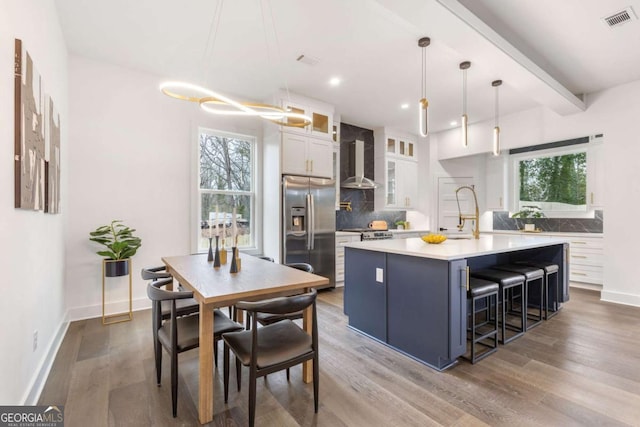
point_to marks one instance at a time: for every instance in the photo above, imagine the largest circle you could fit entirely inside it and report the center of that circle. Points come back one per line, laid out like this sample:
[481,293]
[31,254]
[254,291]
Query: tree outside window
[555,183]
[226,181]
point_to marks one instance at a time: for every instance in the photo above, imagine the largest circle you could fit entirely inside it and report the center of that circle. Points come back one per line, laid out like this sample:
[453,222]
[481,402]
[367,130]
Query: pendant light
[464,66]
[423,105]
[216,103]
[496,128]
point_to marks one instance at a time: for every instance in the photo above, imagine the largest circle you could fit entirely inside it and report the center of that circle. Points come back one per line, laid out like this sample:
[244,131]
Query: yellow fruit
[434,238]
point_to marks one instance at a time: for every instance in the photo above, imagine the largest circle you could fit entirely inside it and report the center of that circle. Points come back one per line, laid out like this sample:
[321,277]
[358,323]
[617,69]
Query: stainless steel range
[369,234]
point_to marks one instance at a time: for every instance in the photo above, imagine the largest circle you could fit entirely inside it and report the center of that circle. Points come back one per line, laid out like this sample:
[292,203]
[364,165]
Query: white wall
[32,259]
[613,112]
[131,158]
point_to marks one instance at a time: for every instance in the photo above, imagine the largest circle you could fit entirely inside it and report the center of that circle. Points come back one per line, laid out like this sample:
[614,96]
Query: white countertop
[547,233]
[394,231]
[458,248]
[411,230]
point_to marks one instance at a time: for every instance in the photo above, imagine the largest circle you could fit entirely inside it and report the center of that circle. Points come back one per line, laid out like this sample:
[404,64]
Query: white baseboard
[620,298]
[92,311]
[42,373]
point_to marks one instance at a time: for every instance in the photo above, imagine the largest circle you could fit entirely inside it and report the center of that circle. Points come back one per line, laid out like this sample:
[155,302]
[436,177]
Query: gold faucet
[346,205]
[463,218]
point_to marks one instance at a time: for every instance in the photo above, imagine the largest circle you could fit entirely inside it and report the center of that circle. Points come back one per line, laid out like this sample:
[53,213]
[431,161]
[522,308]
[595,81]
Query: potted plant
[400,225]
[529,212]
[121,245]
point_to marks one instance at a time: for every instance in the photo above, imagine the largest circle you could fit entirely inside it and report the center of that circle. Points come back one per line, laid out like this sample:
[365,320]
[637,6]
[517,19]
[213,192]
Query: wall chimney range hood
[358,181]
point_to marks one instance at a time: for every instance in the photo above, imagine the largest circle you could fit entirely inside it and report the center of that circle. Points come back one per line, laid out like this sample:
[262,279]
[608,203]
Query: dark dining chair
[269,318]
[273,347]
[184,307]
[178,334]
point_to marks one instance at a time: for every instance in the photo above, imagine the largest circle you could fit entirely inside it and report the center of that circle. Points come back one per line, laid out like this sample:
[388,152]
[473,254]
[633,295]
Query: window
[227,180]
[554,181]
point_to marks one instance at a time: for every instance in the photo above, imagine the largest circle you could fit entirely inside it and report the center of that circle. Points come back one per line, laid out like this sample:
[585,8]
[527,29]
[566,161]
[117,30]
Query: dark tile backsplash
[501,221]
[362,201]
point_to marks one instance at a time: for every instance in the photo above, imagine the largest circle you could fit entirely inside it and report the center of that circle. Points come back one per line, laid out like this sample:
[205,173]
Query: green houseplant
[529,212]
[120,245]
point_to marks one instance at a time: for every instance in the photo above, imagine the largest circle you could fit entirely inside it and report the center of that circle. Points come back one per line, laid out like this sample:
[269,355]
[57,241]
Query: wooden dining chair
[274,347]
[179,333]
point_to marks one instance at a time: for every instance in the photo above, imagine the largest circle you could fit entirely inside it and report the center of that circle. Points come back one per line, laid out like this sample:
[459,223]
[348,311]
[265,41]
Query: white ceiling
[372,46]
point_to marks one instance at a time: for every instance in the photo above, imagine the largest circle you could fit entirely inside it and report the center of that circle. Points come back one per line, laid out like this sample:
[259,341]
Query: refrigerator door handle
[309,219]
[312,228]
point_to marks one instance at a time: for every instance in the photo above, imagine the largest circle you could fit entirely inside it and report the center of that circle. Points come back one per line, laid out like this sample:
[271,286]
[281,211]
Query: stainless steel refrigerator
[309,223]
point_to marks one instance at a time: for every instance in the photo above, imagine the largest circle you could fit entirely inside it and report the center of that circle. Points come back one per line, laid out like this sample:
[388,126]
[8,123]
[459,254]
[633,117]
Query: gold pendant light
[423,105]
[216,103]
[496,128]
[464,66]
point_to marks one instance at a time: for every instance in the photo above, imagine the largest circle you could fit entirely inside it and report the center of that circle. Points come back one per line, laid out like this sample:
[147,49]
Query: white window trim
[195,191]
[514,178]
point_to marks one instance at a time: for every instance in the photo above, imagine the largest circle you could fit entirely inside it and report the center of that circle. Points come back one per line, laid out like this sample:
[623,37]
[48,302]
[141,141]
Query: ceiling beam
[543,88]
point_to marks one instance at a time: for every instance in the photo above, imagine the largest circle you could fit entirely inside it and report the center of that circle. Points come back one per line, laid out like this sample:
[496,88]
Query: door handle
[312,229]
[309,215]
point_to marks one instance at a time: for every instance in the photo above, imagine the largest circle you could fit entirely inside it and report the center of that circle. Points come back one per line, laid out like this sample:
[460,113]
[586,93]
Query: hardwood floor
[579,368]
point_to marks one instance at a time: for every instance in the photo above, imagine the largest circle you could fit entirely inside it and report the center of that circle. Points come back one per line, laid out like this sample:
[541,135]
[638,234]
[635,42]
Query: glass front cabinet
[396,168]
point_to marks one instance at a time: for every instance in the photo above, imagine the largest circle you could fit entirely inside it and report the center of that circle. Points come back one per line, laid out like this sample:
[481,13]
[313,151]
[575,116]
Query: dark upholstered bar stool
[508,282]
[533,276]
[551,286]
[487,330]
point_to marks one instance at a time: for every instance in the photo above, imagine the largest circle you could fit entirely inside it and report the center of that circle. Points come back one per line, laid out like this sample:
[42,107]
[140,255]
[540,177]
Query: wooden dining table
[216,287]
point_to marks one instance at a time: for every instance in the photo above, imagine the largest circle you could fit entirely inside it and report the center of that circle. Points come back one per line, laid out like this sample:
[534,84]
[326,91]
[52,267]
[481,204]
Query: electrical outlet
[35,340]
[379,275]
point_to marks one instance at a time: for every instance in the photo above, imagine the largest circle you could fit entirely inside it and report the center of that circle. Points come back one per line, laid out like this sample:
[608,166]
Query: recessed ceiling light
[335,81]
[404,106]
[453,123]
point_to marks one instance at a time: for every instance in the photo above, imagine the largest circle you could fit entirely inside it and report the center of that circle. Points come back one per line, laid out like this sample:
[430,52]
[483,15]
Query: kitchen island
[411,295]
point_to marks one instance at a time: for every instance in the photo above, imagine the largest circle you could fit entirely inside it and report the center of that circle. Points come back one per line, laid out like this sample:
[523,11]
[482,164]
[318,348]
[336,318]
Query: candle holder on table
[234,260]
[216,261]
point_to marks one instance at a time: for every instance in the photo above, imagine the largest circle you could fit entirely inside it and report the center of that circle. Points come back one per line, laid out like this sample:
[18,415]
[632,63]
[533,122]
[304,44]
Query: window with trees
[552,183]
[227,181]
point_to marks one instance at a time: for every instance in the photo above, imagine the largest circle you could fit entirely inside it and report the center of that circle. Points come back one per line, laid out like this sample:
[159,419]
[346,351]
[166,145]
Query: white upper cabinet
[321,119]
[496,183]
[305,155]
[308,150]
[396,170]
[595,174]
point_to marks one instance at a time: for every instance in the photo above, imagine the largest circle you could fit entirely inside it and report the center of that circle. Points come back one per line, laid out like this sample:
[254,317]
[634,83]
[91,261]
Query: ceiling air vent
[620,18]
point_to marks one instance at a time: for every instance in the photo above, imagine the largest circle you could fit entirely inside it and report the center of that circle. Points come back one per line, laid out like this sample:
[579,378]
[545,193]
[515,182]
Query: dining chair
[178,334]
[184,307]
[273,347]
[269,318]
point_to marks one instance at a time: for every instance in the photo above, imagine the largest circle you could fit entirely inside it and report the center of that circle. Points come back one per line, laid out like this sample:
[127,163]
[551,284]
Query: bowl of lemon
[434,239]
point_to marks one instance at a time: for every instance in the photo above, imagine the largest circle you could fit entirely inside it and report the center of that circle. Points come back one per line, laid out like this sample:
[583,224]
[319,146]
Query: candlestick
[210,256]
[223,252]
[234,229]
[216,262]
[217,229]
[234,261]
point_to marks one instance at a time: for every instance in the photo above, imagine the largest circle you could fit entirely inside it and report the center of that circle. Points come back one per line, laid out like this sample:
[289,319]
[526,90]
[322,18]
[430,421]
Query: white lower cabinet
[341,240]
[586,260]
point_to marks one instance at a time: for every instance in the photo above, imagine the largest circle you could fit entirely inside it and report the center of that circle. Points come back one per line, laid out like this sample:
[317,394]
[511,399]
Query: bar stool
[486,292]
[508,282]
[532,276]
[550,286]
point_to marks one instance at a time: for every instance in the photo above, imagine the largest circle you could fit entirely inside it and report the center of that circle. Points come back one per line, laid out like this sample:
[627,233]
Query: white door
[448,214]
